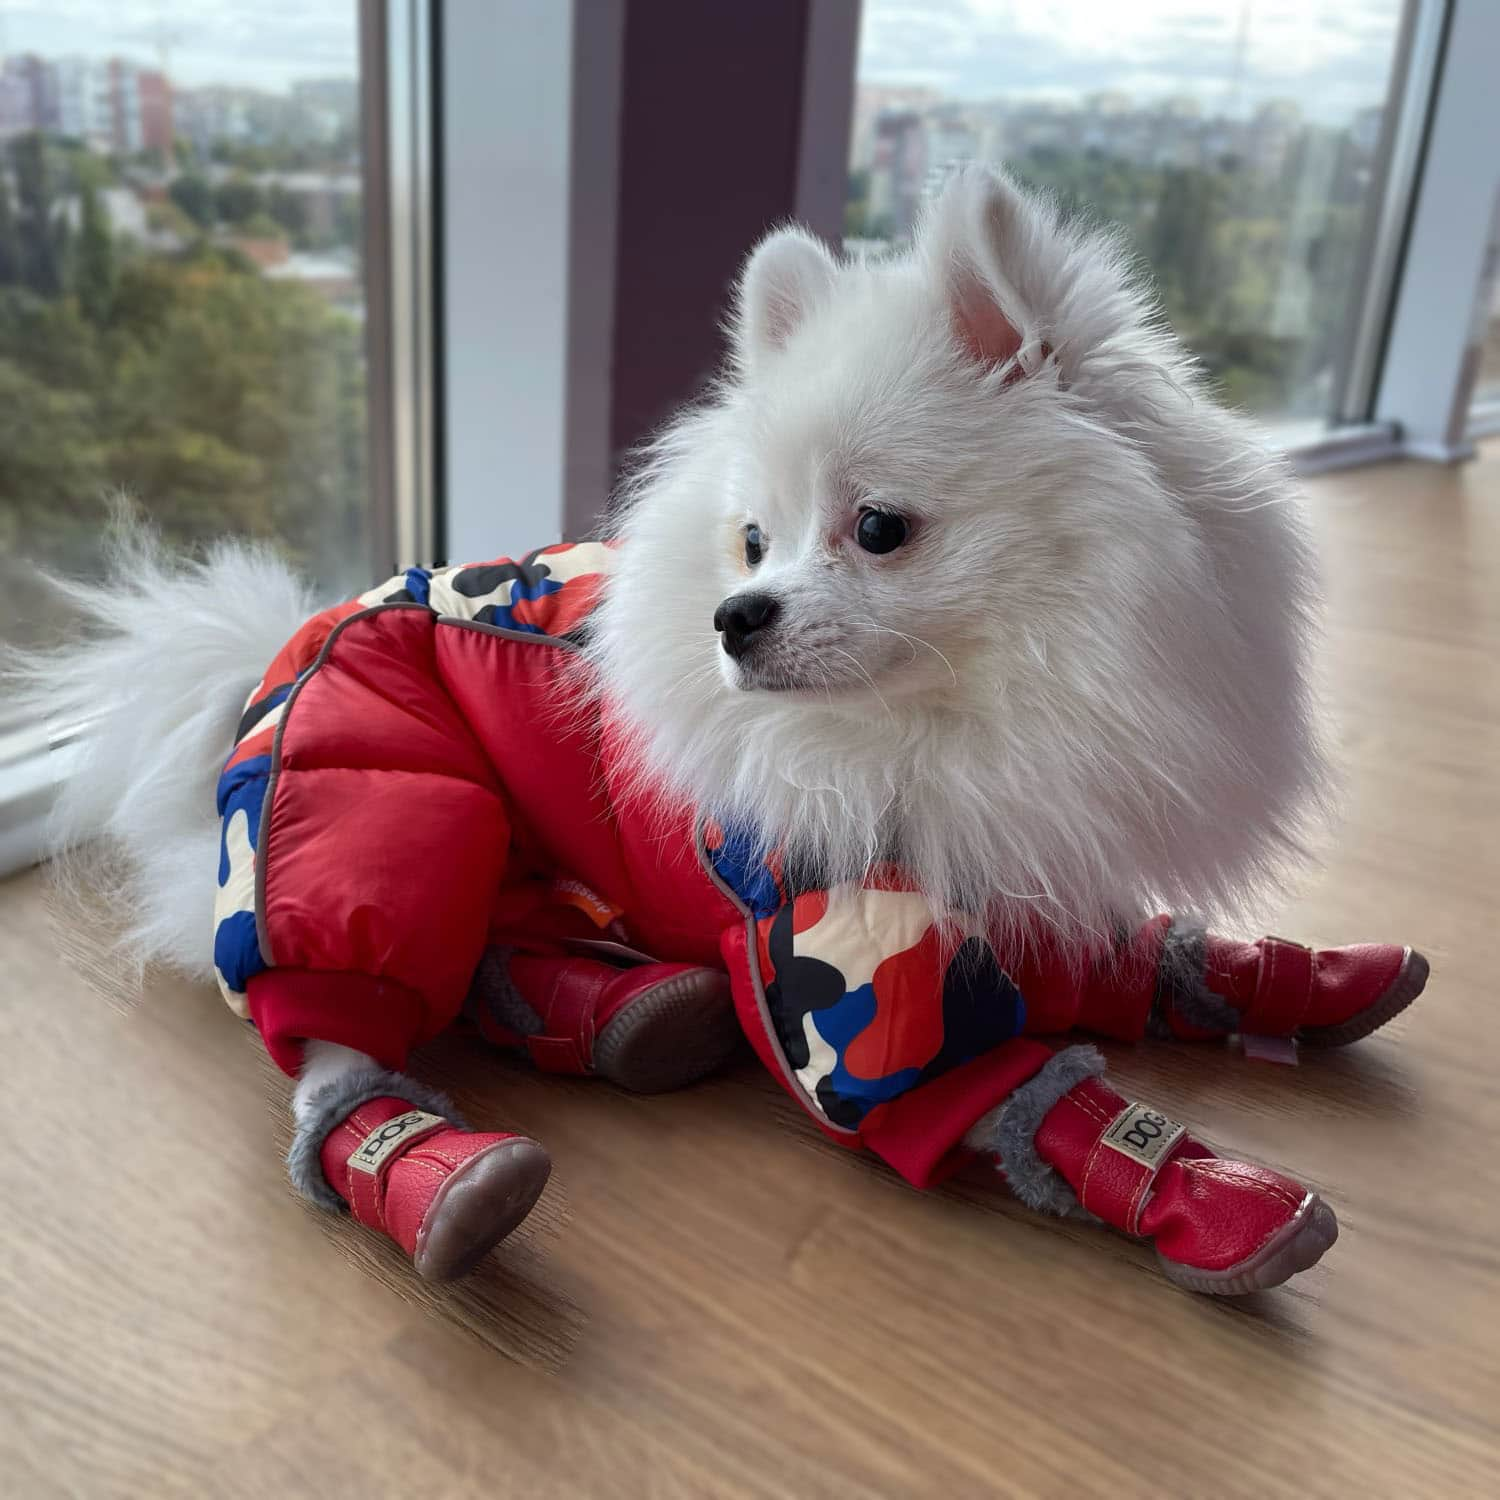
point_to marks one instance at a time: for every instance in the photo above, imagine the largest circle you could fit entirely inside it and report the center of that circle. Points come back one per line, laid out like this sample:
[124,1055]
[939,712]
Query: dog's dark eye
[755,546]
[879,531]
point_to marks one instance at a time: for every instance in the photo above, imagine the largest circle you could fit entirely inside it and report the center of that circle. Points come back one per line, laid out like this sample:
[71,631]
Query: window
[181,295]
[1240,146]
[1487,392]
[1487,382]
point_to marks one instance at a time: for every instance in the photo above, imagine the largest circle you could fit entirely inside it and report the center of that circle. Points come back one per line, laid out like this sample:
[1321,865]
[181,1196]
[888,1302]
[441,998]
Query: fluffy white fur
[171,649]
[1080,689]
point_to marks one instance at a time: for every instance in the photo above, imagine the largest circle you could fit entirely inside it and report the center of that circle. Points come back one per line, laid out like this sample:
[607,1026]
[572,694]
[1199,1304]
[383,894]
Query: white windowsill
[1315,448]
[31,770]
[1484,418]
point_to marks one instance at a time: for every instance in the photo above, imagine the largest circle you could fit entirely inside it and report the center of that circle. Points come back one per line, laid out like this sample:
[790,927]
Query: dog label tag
[385,1140]
[1271,1049]
[1144,1135]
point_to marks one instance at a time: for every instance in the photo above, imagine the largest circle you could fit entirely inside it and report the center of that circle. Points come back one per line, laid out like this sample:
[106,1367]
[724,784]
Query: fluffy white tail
[172,648]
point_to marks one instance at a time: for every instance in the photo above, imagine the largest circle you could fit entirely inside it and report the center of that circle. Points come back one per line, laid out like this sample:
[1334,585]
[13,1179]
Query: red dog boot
[648,1028]
[1066,1141]
[445,1194]
[1327,997]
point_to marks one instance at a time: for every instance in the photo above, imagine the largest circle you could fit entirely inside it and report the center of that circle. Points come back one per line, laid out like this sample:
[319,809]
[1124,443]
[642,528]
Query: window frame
[1430,362]
[1405,130]
[400,189]
[527,254]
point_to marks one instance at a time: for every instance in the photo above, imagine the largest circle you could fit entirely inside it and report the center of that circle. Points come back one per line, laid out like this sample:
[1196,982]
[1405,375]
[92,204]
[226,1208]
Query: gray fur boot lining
[1009,1132]
[1181,991]
[334,1103]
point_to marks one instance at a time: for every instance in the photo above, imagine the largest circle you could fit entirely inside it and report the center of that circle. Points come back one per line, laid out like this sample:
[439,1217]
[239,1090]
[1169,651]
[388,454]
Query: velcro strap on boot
[567,1010]
[1283,990]
[1125,1161]
[372,1158]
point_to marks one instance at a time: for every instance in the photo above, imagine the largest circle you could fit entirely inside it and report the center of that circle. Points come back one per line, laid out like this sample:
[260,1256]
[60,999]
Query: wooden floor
[730,1307]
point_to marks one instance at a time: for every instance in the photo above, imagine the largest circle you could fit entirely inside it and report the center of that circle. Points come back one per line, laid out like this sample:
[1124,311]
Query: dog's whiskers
[859,667]
[912,640]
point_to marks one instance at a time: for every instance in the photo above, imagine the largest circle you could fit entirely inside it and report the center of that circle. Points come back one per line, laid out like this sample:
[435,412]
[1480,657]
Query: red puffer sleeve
[381,839]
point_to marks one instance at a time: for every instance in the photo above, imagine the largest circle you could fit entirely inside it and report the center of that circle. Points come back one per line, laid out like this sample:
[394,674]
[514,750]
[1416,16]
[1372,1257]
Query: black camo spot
[801,984]
[485,578]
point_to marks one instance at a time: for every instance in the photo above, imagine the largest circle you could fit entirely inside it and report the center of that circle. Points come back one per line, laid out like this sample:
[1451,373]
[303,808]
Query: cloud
[1334,57]
[265,43]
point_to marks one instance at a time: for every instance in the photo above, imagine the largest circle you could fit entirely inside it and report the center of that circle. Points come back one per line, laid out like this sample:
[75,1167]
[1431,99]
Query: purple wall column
[709,132]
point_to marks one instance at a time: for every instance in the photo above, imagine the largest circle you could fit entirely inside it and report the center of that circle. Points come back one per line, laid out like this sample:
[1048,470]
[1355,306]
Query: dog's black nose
[742,618]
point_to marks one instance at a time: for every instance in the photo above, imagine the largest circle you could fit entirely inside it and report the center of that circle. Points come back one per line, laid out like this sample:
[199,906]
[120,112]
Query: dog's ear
[787,274]
[977,241]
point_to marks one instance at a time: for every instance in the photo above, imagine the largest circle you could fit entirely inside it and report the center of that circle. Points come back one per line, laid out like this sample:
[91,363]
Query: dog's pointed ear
[975,240]
[786,276]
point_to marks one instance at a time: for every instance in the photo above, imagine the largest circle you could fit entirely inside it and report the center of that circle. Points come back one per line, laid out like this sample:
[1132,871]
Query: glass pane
[1487,384]
[1235,143]
[1487,391]
[180,291]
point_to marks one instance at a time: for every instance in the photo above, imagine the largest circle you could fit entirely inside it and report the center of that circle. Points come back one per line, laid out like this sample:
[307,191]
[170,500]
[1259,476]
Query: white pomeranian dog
[1042,608]
[959,569]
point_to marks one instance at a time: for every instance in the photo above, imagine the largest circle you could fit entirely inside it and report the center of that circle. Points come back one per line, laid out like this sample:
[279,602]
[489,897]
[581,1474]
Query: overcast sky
[266,43]
[1332,56]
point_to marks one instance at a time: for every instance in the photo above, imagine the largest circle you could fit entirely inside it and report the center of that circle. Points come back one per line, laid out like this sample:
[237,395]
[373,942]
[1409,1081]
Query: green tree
[1184,239]
[856,204]
[80,167]
[289,209]
[225,401]
[10,239]
[62,251]
[261,227]
[167,218]
[237,199]
[94,272]
[194,195]
[348,221]
[51,340]
[51,470]
[241,399]
[41,252]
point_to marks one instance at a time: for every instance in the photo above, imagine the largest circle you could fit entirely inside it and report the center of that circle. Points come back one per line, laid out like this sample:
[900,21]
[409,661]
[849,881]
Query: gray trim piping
[526,637]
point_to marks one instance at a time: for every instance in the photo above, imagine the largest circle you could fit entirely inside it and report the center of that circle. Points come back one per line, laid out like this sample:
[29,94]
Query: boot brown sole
[478,1206]
[1410,981]
[1298,1244]
[673,1035]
